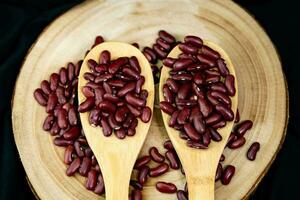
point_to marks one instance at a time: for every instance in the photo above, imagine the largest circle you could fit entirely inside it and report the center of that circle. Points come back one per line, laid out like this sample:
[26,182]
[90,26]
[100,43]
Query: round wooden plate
[262,90]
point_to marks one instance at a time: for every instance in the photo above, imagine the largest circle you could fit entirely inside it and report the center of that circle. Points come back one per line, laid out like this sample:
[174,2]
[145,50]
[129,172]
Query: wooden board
[262,90]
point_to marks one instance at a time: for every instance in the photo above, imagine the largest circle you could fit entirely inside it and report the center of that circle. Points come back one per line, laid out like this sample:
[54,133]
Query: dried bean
[243,127]
[74,166]
[252,151]
[159,170]
[164,187]
[85,166]
[143,174]
[91,181]
[139,163]
[227,174]
[173,159]
[193,40]
[155,155]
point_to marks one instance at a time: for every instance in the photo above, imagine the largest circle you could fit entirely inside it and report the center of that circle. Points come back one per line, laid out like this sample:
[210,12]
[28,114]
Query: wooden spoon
[116,157]
[199,164]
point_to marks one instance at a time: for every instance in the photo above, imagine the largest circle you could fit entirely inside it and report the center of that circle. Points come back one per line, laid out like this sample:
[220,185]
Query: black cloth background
[21,21]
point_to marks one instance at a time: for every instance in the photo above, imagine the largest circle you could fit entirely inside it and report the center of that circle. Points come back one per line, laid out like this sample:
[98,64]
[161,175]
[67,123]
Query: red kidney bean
[184,91]
[168,95]
[196,145]
[181,195]
[212,72]
[133,125]
[198,78]
[51,103]
[163,44]
[62,118]
[252,151]
[117,64]
[173,119]
[173,159]
[169,62]
[206,139]
[121,114]
[155,155]
[184,136]
[183,116]
[99,189]
[186,103]
[196,67]
[197,90]
[134,111]
[136,185]
[104,57]
[237,143]
[89,76]
[54,80]
[204,59]
[58,141]
[204,106]
[45,86]
[133,61]
[92,64]
[159,51]
[220,87]
[107,88]
[111,98]
[107,131]
[212,78]
[72,133]
[139,84]
[164,187]
[219,172]
[222,67]
[146,114]
[222,158]
[221,97]
[136,195]
[107,106]
[86,105]
[68,155]
[229,83]
[54,129]
[227,174]
[85,166]
[101,68]
[71,71]
[214,101]
[193,40]
[91,180]
[166,36]
[131,72]
[88,152]
[237,116]
[63,77]
[194,113]
[191,132]
[210,52]
[213,119]
[167,107]
[99,95]
[159,170]
[143,174]
[172,85]
[150,55]
[232,137]
[103,78]
[225,112]
[74,166]
[126,89]
[188,49]
[120,133]
[215,135]
[144,94]
[168,145]
[134,101]
[78,149]
[199,124]
[116,83]
[48,123]
[98,40]
[142,162]
[113,123]
[220,124]
[94,116]
[243,127]
[60,93]
[182,63]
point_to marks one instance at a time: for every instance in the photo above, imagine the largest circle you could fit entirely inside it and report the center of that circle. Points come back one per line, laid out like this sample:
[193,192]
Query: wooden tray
[262,98]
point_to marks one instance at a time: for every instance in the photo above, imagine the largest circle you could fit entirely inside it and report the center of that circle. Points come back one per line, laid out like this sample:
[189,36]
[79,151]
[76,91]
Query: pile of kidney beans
[59,97]
[114,95]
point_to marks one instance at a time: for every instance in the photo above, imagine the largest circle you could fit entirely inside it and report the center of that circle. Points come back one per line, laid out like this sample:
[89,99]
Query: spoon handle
[201,189]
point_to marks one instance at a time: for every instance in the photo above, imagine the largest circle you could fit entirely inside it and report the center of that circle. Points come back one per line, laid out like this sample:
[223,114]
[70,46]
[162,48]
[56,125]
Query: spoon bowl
[199,164]
[116,157]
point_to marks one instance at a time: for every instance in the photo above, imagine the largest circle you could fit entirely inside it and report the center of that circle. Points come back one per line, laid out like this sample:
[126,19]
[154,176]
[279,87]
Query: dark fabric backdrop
[21,21]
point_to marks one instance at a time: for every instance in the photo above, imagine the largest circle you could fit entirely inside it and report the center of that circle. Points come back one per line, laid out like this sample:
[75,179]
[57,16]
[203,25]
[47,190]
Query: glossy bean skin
[215,135]
[73,167]
[94,116]
[68,155]
[163,44]
[51,103]
[173,119]
[150,55]
[172,85]
[239,142]
[121,114]
[243,127]
[135,112]
[101,68]
[205,108]
[126,89]
[107,106]
[134,101]
[213,119]
[191,132]
[199,124]
[167,107]
[146,114]
[85,166]
[91,181]
[206,60]
[184,91]
[86,105]
[221,97]
[62,118]
[222,67]
[173,159]
[143,174]
[139,84]
[168,145]
[159,170]
[186,103]
[219,172]
[54,81]
[160,52]
[196,145]
[155,155]
[226,112]
[45,86]
[166,36]
[188,49]
[164,187]
[99,189]
[131,72]
[142,162]
[229,83]
[113,123]
[92,64]
[72,133]
[169,62]
[48,122]
[117,64]
[58,141]
[103,77]
[227,175]
[182,63]
[193,40]
[252,151]
[219,124]
[183,116]
[220,87]
[206,139]
[107,131]
[168,94]
[210,52]
[104,57]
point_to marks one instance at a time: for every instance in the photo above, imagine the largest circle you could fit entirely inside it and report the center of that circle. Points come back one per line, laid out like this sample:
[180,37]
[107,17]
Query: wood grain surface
[262,90]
